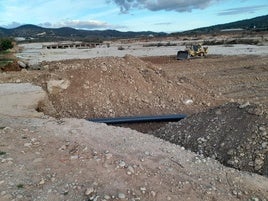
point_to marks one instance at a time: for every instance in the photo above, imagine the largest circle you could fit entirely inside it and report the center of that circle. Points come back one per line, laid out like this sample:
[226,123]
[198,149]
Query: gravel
[234,134]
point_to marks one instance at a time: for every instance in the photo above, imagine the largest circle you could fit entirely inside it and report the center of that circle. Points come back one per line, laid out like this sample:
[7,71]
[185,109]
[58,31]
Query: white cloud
[56,13]
[38,11]
[240,10]
[78,24]
[12,25]
[156,5]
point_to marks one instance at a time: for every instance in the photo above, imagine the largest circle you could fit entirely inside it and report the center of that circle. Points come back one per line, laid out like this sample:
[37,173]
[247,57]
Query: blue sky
[128,15]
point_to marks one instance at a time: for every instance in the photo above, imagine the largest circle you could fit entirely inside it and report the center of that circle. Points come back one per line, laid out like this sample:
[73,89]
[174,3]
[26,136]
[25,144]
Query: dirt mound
[116,87]
[13,66]
[234,134]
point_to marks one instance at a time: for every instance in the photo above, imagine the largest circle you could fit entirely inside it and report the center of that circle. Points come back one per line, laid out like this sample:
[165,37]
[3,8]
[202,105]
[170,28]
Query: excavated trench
[234,134]
[129,86]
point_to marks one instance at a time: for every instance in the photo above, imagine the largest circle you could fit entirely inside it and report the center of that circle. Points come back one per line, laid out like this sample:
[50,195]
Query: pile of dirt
[12,66]
[114,87]
[234,134]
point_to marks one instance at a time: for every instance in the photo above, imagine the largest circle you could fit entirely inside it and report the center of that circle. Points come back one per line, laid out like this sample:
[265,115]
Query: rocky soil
[51,157]
[155,85]
[43,158]
[73,160]
[234,134]
[118,87]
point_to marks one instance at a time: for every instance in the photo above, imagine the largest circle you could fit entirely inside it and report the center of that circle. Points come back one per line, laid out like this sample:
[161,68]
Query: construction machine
[192,51]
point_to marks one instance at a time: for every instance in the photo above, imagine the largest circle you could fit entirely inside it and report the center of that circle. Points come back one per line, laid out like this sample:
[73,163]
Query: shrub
[5,44]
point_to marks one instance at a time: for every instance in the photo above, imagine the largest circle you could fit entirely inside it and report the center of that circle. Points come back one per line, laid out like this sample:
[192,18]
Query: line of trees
[5,44]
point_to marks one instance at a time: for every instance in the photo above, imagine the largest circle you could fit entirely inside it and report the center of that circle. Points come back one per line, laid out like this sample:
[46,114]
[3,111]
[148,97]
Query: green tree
[5,44]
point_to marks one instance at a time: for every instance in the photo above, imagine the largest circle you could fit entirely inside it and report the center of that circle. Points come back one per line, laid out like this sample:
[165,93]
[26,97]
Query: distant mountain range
[33,32]
[257,24]
[40,33]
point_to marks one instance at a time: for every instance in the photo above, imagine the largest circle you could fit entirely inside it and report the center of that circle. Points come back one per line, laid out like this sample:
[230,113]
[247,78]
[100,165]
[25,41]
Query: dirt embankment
[235,135]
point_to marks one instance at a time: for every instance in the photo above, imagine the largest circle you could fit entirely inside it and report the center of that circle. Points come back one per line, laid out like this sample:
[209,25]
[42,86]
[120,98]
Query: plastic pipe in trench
[139,119]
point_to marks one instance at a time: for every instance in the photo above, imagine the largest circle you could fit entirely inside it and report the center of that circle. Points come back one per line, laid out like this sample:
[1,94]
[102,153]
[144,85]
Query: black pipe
[139,119]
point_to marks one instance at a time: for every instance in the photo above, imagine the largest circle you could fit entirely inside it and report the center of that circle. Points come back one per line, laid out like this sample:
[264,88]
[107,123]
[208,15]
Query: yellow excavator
[192,51]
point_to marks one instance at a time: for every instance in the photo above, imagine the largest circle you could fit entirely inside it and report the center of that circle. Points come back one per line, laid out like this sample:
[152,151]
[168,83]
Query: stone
[262,128]
[22,64]
[121,196]
[56,86]
[142,188]
[29,144]
[147,153]
[131,169]
[122,164]
[258,161]
[264,145]
[244,105]
[96,198]
[254,199]
[42,181]
[234,192]
[89,191]
[74,157]
[153,193]
[107,197]
[188,102]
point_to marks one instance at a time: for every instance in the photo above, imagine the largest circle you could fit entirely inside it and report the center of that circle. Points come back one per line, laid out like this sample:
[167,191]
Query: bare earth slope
[72,159]
[234,134]
[119,87]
